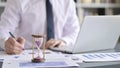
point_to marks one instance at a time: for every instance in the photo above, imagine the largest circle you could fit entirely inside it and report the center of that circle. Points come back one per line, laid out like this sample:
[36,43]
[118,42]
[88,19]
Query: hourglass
[38,41]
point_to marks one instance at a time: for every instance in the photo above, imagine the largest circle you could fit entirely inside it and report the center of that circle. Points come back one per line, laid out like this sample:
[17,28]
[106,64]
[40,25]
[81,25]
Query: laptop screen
[98,33]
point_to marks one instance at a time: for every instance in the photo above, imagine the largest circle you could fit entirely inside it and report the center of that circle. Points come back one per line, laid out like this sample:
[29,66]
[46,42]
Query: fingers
[21,40]
[49,43]
[14,50]
[14,47]
[54,43]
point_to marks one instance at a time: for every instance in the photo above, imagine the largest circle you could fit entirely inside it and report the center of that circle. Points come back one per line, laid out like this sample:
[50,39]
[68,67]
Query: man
[26,17]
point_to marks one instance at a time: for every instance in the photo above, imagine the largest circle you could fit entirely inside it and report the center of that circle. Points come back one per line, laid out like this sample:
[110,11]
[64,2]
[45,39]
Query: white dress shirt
[27,17]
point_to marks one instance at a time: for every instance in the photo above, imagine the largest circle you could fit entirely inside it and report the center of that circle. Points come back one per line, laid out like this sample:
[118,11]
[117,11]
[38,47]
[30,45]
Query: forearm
[9,20]
[72,26]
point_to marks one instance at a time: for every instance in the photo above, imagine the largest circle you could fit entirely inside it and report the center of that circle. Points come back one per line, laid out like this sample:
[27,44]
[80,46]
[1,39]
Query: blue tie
[50,23]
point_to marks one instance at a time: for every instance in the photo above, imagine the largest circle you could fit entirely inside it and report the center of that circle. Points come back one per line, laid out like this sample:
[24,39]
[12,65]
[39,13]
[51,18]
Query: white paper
[48,63]
[74,58]
[99,57]
[23,60]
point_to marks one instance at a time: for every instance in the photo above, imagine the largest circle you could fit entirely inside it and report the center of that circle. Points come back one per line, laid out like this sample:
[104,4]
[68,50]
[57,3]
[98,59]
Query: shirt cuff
[2,43]
[67,41]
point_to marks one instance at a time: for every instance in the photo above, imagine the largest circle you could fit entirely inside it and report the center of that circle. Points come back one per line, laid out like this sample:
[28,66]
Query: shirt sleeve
[9,20]
[72,26]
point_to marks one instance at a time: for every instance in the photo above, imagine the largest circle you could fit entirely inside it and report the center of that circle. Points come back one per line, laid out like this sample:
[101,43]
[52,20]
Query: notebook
[96,33]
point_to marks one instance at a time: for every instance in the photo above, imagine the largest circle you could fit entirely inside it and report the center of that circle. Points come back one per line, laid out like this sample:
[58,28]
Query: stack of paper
[97,57]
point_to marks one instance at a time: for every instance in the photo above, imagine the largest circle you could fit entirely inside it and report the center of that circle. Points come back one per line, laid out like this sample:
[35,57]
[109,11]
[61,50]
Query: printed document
[53,59]
[99,57]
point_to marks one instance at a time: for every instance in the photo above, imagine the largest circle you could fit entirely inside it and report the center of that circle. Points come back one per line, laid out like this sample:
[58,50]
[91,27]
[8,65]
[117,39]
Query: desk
[98,64]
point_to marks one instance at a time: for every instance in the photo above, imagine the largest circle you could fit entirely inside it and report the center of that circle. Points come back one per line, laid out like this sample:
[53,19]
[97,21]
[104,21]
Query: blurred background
[89,8]
[97,7]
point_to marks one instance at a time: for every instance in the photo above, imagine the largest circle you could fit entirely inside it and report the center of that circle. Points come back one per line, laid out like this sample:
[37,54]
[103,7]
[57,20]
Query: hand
[54,43]
[13,46]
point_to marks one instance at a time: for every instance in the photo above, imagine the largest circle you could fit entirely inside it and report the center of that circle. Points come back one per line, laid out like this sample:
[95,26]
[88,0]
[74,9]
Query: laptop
[97,33]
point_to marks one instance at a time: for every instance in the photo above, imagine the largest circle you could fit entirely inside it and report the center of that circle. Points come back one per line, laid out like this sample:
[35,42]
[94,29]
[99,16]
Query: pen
[11,35]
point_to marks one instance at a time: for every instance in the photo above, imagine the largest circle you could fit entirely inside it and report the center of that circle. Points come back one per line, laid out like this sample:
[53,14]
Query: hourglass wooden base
[37,60]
